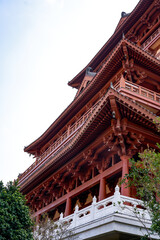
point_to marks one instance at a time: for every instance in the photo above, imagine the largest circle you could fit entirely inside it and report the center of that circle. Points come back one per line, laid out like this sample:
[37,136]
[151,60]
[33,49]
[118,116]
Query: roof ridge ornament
[89,71]
[124,14]
[111,85]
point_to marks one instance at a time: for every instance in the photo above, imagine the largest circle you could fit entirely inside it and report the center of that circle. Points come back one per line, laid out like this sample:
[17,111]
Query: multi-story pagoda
[86,151]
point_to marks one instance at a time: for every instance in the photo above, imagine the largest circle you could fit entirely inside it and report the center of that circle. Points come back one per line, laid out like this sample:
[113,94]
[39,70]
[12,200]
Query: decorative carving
[107,162]
[145,20]
[131,73]
[88,154]
[102,93]
[121,140]
[139,76]
[131,35]
[157,3]
[70,167]
[56,178]
[128,66]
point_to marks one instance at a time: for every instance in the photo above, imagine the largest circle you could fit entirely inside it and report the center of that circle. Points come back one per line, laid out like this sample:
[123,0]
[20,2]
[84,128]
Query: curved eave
[113,64]
[98,121]
[109,68]
[140,8]
[143,58]
[121,21]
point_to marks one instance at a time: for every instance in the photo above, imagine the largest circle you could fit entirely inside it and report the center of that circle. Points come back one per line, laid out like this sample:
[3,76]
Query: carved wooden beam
[151,77]
[123,141]
[114,106]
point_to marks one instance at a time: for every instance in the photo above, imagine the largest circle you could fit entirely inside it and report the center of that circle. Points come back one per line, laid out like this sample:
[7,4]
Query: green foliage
[145,176]
[15,221]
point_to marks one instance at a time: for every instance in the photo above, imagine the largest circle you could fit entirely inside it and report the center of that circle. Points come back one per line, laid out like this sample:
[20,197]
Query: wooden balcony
[138,93]
[154,37]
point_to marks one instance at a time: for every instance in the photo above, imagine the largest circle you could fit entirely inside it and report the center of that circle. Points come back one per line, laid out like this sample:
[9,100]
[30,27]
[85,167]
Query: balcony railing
[59,143]
[117,214]
[139,92]
[114,204]
[110,214]
[152,38]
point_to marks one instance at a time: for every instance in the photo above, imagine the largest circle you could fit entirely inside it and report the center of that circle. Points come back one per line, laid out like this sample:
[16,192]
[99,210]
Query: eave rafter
[135,56]
[152,78]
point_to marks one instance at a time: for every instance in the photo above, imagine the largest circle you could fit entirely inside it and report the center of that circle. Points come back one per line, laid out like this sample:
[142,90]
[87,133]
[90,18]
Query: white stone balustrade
[114,204]
[114,215]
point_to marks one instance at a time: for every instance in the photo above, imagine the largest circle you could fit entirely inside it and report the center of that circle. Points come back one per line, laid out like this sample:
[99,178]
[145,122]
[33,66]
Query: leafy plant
[15,221]
[145,176]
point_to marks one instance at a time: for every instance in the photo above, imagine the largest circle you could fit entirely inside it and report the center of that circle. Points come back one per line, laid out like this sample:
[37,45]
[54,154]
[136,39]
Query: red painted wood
[102,189]
[125,170]
[68,209]
[107,173]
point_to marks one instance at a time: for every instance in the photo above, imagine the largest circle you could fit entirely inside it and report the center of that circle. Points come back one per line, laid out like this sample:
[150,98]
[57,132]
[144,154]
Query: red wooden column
[37,219]
[68,209]
[157,198]
[125,170]
[102,189]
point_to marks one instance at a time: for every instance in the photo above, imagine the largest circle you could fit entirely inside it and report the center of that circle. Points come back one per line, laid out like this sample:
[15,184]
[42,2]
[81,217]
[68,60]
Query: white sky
[43,45]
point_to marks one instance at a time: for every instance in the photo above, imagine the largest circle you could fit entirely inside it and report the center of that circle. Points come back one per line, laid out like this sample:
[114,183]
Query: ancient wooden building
[86,151]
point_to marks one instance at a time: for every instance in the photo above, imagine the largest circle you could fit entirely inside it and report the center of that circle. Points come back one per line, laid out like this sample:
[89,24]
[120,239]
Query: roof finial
[123,14]
[111,85]
[123,36]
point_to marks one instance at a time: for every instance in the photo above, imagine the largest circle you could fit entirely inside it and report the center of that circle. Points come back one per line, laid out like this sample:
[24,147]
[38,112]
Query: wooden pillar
[157,198]
[37,219]
[68,208]
[138,43]
[125,170]
[102,189]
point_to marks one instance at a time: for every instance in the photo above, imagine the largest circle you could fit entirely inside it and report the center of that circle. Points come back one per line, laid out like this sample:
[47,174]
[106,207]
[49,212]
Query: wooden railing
[59,143]
[139,90]
[151,38]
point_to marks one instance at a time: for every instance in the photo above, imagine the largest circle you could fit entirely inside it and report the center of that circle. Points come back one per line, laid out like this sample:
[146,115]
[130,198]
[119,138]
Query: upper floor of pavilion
[128,64]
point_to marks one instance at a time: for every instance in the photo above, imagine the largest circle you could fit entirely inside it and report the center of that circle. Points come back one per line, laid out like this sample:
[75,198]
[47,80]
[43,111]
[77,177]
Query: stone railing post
[94,201]
[117,202]
[61,217]
[75,216]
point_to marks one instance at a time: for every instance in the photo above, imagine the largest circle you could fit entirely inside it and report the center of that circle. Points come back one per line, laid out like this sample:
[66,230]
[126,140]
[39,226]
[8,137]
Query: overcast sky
[43,45]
